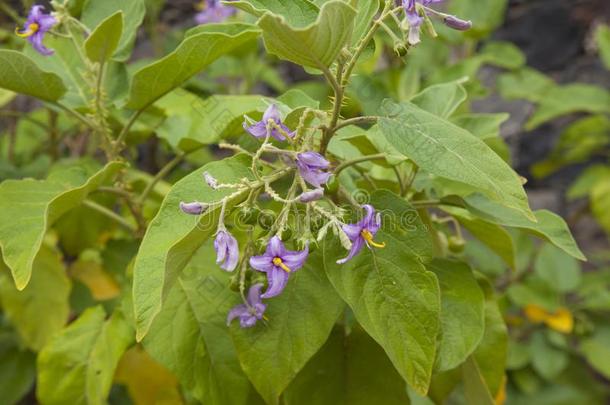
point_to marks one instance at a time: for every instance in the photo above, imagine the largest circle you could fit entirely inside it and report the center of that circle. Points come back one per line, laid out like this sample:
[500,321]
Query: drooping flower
[271,123]
[278,262]
[312,195]
[227,250]
[312,167]
[251,312]
[193,208]
[213,11]
[415,19]
[210,180]
[363,232]
[36,26]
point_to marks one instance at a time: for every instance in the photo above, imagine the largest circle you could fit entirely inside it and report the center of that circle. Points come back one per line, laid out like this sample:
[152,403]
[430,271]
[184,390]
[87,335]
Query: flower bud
[194,208]
[457,23]
[210,180]
[313,195]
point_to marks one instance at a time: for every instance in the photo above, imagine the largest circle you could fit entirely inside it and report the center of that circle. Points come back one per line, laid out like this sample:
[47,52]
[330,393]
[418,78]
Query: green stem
[110,214]
[76,115]
[159,176]
[352,162]
[356,121]
[121,138]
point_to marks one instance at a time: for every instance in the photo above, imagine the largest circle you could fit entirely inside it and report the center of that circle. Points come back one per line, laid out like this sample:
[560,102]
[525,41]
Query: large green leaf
[20,74]
[95,11]
[572,98]
[600,203]
[316,45]
[483,126]
[103,42]
[173,237]
[560,271]
[350,369]
[475,388]
[17,371]
[300,320]
[42,309]
[549,225]
[462,313]
[485,16]
[393,296]
[201,47]
[29,207]
[596,350]
[78,365]
[443,149]
[441,99]
[298,13]
[190,336]
[602,36]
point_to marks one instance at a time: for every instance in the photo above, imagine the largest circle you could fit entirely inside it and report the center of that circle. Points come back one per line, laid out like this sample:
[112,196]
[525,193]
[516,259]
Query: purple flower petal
[276,248]
[247,321]
[254,294]
[277,279]
[258,130]
[237,312]
[294,260]
[193,208]
[313,195]
[262,263]
[272,113]
[313,160]
[352,231]
[357,246]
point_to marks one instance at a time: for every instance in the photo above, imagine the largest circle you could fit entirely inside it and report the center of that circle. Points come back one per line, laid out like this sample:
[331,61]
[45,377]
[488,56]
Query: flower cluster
[277,263]
[416,12]
[36,26]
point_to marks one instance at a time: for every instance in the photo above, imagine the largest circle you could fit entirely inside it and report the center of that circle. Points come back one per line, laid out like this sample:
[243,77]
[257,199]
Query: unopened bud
[210,180]
[457,23]
[194,208]
[313,195]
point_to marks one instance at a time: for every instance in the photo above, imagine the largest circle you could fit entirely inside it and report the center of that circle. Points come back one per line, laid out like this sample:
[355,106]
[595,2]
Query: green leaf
[103,42]
[316,45]
[366,11]
[548,226]
[600,203]
[462,312]
[29,207]
[494,236]
[597,352]
[526,83]
[475,388]
[78,365]
[17,372]
[602,36]
[300,321]
[42,309]
[190,336]
[483,126]
[588,180]
[95,12]
[20,74]
[485,17]
[201,47]
[6,97]
[173,237]
[441,99]
[349,369]
[298,13]
[558,269]
[443,149]
[503,54]
[572,98]
[392,294]
[548,361]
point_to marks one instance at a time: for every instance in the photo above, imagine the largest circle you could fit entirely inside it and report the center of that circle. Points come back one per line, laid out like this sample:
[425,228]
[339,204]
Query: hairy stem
[352,162]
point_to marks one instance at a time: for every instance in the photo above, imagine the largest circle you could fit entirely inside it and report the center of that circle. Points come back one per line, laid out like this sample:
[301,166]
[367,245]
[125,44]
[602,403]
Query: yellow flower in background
[560,320]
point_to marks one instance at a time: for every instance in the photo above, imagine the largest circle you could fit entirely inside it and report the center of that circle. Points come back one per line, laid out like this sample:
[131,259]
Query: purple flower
[37,24]
[194,208]
[312,195]
[213,11]
[278,262]
[251,312]
[227,250]
[415,20]
[312,168]
[210,180]
[362,233]
[272,121]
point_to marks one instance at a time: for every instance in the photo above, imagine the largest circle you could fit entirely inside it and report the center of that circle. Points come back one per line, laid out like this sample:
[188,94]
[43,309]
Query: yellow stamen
[31,30]
[279,263]
[368,237]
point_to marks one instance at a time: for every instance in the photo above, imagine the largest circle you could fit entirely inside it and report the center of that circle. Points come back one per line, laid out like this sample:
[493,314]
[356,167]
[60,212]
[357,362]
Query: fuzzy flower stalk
[36,26]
